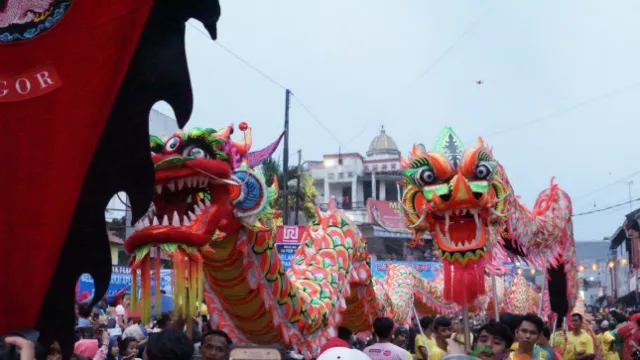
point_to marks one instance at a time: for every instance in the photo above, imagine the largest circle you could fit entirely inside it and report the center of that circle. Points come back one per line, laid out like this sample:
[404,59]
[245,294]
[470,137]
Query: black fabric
[558,290]
[158,71]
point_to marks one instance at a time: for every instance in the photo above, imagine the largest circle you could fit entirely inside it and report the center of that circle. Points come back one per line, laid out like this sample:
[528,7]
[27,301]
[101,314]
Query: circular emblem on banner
[22,20]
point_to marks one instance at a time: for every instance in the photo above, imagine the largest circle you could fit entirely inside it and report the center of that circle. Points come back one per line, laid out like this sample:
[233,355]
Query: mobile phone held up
[255,353]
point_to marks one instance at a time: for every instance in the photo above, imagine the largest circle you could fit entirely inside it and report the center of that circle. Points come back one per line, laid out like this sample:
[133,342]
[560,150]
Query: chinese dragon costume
[93,68]
[464,199]
[210,215]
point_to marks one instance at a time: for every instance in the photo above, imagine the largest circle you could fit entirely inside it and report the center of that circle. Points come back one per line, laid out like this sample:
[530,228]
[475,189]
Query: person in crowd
[400,339]
[527,334]
[342,340]
[511,321]
[215,345]
[494,341]
[620,320]
[84,314]
[128,348]
[630,335]
[384,349]
[579,343]
[122,310]
[607,342]
[425,342]
[458,332]
[171,344]
[442,330]
[544,341]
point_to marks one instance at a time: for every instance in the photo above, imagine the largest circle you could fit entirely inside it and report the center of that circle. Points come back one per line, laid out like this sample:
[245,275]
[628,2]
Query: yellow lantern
[594,267]
[519,271]
[623,261]
[581,268]
[532,271]
[612,264]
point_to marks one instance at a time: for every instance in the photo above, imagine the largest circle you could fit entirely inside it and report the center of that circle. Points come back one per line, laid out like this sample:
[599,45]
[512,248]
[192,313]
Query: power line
[565,110]
[448,49]
[273,81]
[625,203]
[313,116]
[607,186]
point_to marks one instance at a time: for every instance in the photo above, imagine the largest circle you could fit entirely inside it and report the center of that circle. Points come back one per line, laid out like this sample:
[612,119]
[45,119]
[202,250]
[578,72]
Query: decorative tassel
[134,288]
[179,290]
[145,311]
[200,283]
[157,289]
[193,287]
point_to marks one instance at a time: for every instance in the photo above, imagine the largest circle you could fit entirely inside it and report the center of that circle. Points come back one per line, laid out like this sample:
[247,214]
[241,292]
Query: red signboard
[290,234]
[387,214]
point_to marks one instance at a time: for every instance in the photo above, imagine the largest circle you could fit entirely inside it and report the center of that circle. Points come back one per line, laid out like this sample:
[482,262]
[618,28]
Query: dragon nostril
[477,195]
[446,197]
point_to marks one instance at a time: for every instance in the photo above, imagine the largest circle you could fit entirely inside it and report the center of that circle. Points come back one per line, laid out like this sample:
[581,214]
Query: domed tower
[383,147]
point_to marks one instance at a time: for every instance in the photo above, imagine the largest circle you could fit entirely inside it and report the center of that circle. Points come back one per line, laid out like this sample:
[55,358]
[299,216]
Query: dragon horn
[224,133]
[243,146]
[404,162]
[415,151]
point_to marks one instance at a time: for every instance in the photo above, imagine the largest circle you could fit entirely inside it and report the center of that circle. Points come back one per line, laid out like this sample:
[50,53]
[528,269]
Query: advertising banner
[290,234]
[286,253]
[120,279]
[427,269]
[387,214]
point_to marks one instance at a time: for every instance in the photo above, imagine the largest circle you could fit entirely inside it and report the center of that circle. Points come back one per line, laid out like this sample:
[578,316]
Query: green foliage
[118,227]
[308,192]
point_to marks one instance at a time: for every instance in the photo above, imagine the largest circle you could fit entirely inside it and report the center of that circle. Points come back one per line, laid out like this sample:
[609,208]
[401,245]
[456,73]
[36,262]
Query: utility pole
[298,185]
[285,160]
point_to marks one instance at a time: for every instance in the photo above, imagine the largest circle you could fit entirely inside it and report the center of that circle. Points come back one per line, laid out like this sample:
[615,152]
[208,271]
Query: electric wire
[625,203]
[273,81]
[567,109]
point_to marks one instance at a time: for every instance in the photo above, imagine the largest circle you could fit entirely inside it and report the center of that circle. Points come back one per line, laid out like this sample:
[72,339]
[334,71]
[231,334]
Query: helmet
[342,353]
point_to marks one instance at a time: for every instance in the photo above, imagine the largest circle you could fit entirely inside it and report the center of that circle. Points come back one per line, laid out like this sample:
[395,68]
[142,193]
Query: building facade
[352,179]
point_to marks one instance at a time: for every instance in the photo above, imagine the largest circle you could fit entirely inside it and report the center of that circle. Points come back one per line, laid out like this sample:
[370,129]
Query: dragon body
[211,216]
[464,199]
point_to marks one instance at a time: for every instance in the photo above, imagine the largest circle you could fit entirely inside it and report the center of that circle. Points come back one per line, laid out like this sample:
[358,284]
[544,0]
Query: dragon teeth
[175,221]
[159,189]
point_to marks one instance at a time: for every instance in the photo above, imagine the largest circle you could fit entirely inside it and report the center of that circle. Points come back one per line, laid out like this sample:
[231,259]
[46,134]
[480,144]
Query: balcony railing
[346,205]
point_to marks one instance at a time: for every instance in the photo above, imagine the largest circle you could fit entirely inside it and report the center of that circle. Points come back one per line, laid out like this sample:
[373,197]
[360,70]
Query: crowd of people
[614,335]
[106,332]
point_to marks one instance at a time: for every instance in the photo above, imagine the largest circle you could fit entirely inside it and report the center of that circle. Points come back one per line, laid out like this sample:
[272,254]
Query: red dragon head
[455,195]
[205,189]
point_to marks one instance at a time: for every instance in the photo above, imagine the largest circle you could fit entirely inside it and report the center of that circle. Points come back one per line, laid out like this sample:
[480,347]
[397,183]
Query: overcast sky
[357,64]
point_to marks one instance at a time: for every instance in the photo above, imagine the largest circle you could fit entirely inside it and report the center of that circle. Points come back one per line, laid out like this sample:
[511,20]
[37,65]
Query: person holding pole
[424,342]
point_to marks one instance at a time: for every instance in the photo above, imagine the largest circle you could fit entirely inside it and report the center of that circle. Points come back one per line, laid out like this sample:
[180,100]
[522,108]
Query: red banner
[291,234]
[29,85]
[387,214]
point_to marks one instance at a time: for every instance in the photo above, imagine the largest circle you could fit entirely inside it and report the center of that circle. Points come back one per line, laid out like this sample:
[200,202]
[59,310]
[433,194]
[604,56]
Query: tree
[308,192]
[118,226]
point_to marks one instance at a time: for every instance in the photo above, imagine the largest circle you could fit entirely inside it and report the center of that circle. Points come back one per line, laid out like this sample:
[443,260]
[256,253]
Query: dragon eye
[172,144]
[483,171]
[424,177]
[196,152]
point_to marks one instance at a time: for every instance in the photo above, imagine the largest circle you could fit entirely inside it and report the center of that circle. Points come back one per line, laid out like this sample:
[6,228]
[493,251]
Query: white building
[353,179]
[367,189]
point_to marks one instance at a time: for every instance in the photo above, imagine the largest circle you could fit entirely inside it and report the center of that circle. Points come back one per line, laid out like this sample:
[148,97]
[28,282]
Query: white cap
[343,353]
[604,324]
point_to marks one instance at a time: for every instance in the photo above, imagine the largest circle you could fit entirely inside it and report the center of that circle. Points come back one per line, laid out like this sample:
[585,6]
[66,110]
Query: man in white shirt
[384,349]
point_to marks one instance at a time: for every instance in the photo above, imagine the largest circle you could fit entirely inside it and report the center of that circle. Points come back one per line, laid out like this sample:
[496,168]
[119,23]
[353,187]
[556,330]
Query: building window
[341,175]
[393,166]
[366,168]
[330,176]
[384,167]
[350,174]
